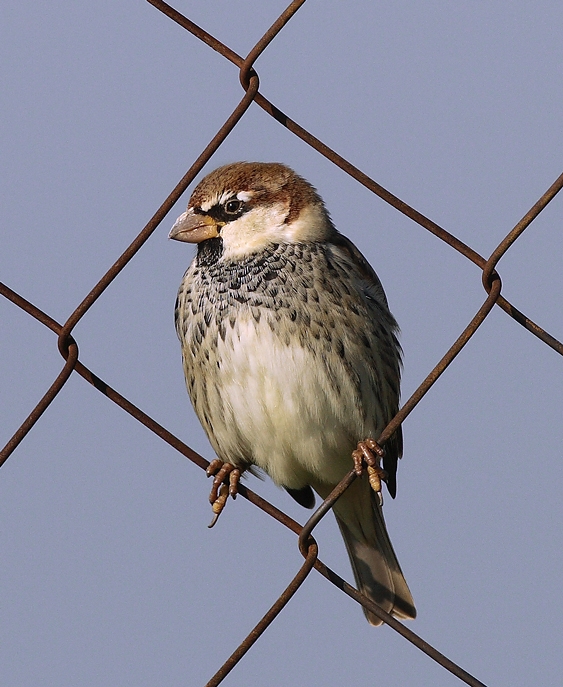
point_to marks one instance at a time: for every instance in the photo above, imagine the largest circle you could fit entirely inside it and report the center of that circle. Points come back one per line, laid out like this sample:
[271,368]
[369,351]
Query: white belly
[278,403]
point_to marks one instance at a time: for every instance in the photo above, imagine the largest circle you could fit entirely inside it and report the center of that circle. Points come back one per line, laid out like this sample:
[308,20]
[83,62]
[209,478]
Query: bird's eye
[233,207]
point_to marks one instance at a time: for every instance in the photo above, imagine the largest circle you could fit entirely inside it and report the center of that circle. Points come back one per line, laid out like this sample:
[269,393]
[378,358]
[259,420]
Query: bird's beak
[194,228]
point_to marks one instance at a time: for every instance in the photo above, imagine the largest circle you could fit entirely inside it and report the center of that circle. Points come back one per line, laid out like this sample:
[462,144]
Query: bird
[291,357]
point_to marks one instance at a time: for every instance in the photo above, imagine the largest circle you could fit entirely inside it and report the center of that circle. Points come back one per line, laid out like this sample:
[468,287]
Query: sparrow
[291,357]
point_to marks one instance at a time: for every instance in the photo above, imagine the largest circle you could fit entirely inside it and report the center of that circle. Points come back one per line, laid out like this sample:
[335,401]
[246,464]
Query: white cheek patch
[254,231]
[311,225]
[265,224]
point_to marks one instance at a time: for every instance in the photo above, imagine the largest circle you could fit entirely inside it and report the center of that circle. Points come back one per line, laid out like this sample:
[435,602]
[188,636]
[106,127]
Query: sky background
[109,575]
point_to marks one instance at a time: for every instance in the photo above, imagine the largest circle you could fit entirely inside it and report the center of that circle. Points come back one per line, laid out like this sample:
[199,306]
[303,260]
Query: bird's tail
[376,568]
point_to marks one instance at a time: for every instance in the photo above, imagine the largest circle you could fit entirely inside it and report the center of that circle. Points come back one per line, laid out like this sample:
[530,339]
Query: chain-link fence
[489,276]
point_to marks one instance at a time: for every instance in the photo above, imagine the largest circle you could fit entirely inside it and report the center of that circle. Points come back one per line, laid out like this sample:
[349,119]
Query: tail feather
[376,569]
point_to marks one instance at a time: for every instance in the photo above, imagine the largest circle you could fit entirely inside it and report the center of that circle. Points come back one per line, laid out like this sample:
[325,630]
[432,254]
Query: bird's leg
[369,454]
[220,490]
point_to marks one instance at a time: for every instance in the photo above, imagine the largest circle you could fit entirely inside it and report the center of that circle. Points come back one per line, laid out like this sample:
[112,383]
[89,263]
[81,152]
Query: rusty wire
[490,279]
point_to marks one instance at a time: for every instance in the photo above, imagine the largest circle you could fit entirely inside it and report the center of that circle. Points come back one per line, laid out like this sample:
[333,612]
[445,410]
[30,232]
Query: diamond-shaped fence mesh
[492,297]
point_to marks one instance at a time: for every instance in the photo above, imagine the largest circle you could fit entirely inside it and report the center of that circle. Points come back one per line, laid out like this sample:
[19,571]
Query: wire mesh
[491,281]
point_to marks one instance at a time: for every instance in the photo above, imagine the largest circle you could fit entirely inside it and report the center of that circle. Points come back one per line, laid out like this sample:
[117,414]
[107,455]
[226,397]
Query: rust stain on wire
[491,282]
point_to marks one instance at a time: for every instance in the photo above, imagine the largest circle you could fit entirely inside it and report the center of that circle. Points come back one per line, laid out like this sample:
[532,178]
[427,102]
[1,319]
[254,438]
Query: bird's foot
[221,490]
[368,455]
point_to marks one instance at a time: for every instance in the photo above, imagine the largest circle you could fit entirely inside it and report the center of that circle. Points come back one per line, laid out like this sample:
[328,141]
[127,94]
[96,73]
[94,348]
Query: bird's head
[250,205]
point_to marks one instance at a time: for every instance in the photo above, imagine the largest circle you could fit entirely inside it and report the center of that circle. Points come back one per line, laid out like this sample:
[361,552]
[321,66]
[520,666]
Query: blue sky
[109,573]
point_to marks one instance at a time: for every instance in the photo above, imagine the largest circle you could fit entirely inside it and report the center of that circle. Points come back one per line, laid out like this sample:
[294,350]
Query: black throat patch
[209,252]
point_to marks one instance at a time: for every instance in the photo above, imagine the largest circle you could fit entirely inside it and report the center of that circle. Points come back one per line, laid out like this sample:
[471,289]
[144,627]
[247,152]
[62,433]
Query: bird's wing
[369,285]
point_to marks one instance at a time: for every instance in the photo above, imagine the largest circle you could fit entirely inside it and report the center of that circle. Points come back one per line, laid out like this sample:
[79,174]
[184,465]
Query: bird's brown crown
[268,182]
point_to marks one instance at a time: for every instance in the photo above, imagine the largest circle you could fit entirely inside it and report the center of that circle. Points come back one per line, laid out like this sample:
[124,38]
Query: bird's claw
[368,455]
[220,490]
